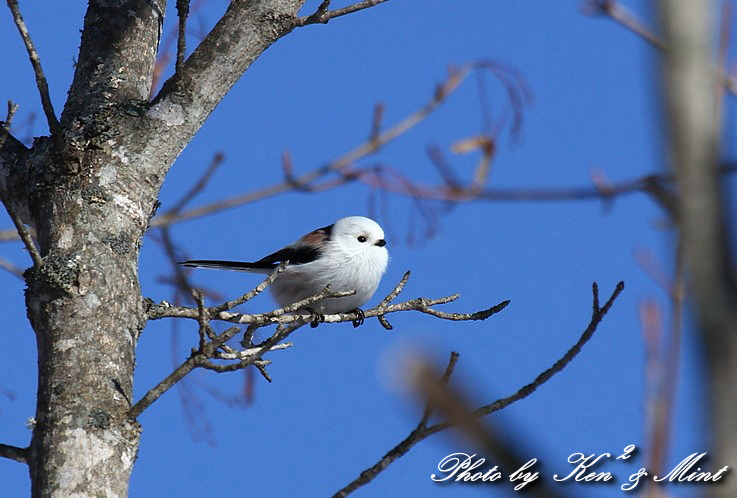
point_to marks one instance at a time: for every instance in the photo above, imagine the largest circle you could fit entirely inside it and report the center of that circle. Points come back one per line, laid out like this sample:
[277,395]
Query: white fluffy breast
[354,258]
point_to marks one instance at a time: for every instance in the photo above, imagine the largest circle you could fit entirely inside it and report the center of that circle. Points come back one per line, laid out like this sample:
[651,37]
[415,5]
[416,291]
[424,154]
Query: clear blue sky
[331,410]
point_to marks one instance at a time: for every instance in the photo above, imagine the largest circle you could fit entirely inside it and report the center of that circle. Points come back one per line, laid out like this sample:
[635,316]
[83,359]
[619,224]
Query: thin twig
[183,13]
[397,289]
[209,343]
[43,87]
[282,332]
[421,432]
[262,369]
[14,453]
[289,319]
[23,232]
[377,121]
[5,129]
[231,367]
[198,358]
[287,315]
[247,353]
[288,323]
[205,330]
[427,412]
[228,305]
[322,15]
[390,297]
[11,268]
[656,185]
[208,348]
[617,12]
[339,164]
[455,406]
[597,316]
[450,193]
[621,14]
[662,354]
[201,183]
[152,395]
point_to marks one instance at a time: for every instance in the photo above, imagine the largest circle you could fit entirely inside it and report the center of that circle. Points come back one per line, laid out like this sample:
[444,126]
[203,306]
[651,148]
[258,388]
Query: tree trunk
[90,206]
[89,191]
[691,81]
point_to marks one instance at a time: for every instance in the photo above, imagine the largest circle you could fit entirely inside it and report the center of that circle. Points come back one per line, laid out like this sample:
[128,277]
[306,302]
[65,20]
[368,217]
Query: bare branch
[282,332]
[377,121]
[205,330]
[337,165]
[657,186]
[5,129]
[11,268]
[43,87]
[650,184]
[244,31]
[262,369]
[390,297]
[289,318]
[241,355]
[217,160]
[455,406]
[178,374]
[320,15]
[323,15]
[183,13]
[169,46]
[198,358]
[232,367]
[597,316]
[14,453]
[626,18]
[291,314]
[210,344]
[397,289]
[621,14]
[23,233]
[427,413]
[422,431]
[229,305]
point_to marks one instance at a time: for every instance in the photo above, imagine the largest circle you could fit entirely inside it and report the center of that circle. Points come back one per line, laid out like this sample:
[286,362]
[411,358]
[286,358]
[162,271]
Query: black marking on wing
[298,255]
[305,250]
[328,231]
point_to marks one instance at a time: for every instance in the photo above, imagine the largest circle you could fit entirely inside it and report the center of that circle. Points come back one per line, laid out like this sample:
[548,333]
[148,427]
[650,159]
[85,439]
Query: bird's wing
[308,248]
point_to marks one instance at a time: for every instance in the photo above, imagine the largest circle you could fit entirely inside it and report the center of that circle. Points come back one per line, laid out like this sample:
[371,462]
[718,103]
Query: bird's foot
[317,318]
[360,317]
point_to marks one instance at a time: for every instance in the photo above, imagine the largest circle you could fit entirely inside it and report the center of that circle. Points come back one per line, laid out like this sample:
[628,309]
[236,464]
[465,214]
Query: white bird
[349,255]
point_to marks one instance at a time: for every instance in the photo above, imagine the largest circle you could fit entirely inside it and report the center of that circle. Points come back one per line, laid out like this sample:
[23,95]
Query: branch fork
[213,346]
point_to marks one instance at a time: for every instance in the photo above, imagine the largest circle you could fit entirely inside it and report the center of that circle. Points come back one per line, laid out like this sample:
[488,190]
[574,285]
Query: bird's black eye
[362,238]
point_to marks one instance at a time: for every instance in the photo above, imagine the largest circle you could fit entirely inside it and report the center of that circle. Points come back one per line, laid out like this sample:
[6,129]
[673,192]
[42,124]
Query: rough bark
[89,194]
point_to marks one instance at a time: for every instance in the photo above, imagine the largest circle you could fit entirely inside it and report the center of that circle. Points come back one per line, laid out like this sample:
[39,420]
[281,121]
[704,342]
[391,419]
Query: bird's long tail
[217,264]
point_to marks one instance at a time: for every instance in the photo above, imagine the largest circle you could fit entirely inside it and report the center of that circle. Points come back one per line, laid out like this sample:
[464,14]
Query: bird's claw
[360,317]
[317,319]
